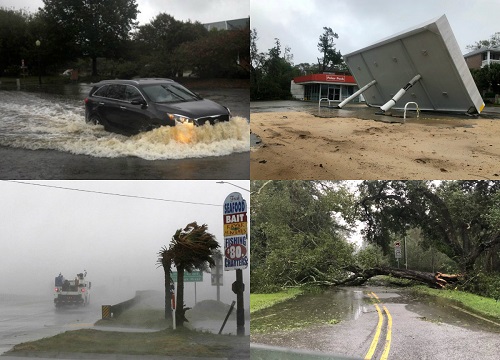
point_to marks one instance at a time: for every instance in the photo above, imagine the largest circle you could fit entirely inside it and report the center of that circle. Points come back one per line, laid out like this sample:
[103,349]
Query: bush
[484,284]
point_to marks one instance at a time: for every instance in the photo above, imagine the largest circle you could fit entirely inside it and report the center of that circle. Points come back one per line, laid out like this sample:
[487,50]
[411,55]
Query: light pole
[226,182]
[38,43]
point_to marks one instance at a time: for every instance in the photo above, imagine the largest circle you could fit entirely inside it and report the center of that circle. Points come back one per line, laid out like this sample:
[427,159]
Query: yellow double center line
[375,340]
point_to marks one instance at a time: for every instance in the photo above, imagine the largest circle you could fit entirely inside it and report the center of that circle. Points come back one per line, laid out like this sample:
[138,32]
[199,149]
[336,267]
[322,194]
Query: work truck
[74,292]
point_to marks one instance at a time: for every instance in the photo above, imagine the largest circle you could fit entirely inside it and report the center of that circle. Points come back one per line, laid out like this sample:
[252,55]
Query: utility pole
[38,43]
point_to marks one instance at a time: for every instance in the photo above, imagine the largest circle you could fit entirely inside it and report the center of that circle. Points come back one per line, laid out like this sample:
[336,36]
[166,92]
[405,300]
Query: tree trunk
[94,66]
[168,296]
[437,280]
[179,307]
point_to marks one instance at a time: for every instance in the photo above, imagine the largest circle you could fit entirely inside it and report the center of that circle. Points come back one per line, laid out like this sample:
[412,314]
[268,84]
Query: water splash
[33,122]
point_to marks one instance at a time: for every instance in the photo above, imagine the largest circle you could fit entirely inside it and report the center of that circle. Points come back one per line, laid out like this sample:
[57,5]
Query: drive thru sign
[235,232]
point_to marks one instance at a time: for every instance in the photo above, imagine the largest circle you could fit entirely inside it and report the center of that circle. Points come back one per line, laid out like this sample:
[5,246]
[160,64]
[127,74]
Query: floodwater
[48,121]
[341,304]
[364,112]
[305,310]
[27,318]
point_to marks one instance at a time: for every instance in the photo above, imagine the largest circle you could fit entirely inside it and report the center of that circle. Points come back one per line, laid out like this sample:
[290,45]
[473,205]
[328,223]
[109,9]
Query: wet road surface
[44,136]
[381,323]
[24,318]
[364,112]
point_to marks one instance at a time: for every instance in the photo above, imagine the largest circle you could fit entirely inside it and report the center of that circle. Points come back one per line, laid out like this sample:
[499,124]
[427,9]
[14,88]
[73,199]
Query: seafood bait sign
[235,232]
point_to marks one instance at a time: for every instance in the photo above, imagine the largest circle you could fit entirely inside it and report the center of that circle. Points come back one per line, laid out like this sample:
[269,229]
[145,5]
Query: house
[479,58]
[236,24]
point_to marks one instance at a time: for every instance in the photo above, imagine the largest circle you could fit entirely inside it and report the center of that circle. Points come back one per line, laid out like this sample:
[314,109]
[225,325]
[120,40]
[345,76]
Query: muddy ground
[300,144]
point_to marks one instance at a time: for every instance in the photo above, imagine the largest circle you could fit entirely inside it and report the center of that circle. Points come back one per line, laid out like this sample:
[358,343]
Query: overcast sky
[204,11]
[47,230]
[359,23]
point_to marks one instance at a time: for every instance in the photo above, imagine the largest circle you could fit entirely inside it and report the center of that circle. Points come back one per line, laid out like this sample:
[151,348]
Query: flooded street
[344,322]
[43,135]
[27,318]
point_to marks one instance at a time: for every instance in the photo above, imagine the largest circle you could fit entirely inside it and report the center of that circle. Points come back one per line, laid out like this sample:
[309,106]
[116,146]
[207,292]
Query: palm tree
[165,260]
[191,248]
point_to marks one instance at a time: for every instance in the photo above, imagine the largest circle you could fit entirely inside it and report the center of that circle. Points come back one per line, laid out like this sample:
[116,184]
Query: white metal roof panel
[429,49]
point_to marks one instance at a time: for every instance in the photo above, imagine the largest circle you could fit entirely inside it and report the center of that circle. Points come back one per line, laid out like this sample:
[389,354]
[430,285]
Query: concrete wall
[297,90]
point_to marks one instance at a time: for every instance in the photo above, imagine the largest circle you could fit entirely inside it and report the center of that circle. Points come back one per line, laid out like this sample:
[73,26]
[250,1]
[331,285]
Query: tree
[271,73]
[493,41]
[219,54]
[13,40]
[98,28]
[326,46]
[160,39]
[190,248]
[487,78]
[297,234]
[165,260]
[457,218]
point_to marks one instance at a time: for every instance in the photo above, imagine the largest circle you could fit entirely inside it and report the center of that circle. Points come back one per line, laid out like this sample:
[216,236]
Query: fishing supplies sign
[235,232]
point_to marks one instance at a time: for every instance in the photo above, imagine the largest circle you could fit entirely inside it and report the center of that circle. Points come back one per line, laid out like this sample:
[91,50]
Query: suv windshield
[165,93]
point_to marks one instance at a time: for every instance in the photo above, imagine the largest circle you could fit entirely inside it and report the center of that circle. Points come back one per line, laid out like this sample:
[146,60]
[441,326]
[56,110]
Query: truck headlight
[180,119]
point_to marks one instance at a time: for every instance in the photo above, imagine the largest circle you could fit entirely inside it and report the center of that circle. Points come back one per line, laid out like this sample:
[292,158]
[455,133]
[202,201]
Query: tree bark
[168,296]
[180,310]
[94,66]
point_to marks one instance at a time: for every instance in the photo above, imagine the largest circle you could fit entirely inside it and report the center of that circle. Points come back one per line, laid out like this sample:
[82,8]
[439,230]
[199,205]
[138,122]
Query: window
[131,94]
[102,91]
[116,92]
[169,93]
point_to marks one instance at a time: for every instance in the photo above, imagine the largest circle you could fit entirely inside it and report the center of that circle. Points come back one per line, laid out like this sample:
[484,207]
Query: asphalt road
[24,318]
[401,328]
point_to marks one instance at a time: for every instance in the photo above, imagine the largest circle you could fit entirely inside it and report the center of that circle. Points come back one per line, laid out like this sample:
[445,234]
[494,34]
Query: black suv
[131,106]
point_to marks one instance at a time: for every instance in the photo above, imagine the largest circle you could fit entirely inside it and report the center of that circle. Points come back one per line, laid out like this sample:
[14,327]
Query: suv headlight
[180,119]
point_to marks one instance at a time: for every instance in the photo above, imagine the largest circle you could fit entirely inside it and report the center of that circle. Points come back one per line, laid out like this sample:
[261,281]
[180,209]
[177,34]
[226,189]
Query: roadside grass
[263,301]
[180,342]
[482,305]
[139,318]
[165,342]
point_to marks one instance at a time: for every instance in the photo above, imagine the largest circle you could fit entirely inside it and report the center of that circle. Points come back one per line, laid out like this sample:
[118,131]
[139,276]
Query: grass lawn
[167,342]
[262,301]
[482,305]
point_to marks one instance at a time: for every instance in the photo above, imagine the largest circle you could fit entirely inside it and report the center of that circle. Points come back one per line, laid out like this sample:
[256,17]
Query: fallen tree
[436,280]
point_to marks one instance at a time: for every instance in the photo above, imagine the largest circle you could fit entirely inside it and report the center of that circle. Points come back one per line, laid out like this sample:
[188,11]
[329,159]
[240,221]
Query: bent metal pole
[400,94]
[360,91]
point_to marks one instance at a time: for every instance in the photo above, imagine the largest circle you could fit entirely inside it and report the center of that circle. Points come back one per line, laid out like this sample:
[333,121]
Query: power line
[111,194]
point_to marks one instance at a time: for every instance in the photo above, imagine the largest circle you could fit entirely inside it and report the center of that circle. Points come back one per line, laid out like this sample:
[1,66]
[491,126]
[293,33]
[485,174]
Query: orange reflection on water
[184,133]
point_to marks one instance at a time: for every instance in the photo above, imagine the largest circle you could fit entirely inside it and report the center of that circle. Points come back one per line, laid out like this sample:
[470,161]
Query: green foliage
[297,236]
[483,284]
[86,35]
[91,26]
[458,218]
[487,78]
[271,73]
[371,255]
[190,248]
[220,54]
[493,41]
[326,46]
